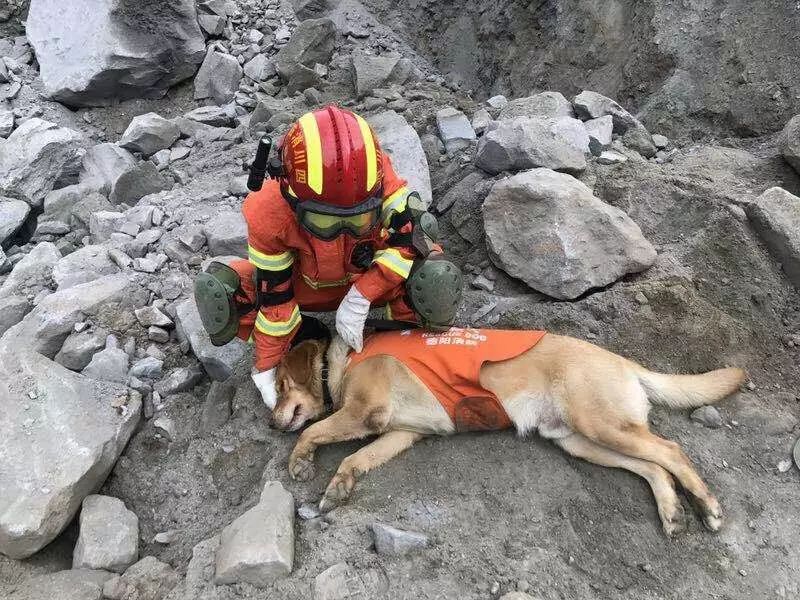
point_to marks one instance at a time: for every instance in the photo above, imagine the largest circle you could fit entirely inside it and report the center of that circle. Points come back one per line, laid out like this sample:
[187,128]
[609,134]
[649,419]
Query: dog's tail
[688,391]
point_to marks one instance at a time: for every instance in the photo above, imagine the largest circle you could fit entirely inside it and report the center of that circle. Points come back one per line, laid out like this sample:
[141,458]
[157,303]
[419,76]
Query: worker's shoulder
[267,207]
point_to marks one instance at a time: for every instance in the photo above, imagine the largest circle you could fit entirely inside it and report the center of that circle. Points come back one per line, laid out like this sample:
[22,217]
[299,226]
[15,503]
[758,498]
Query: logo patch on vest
[480,413]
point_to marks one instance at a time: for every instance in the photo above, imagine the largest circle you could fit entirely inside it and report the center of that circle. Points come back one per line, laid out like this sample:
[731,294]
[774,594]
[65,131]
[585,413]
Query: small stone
[147,368]
[482,283]
[390,541]
[784,465]
[308,511]
[660,141]
[455,129]
[151,316]
[166,537]
[156,334]
[708,416]
[610,157]
[149,133]
[182,379]
[165,427]
[497,102]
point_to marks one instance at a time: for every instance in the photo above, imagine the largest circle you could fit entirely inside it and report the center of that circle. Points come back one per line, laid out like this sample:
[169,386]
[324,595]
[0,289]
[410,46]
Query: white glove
[265,382]
[350,318]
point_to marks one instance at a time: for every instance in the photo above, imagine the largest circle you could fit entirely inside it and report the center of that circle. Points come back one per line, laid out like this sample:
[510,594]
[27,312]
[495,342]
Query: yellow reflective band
[369,149]
[394,261]
[278,328]
[313,283]
[394,203]
[389,313]
[313,151]
[270,262]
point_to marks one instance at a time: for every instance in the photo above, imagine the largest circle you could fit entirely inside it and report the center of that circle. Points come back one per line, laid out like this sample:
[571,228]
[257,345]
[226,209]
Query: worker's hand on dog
[265,382]
[350,318]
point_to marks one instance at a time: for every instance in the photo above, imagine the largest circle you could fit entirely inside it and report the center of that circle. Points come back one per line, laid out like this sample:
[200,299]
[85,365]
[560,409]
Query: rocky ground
[137,461]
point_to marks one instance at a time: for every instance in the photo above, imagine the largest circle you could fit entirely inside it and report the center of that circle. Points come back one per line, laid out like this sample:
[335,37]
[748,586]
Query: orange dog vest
[449,365]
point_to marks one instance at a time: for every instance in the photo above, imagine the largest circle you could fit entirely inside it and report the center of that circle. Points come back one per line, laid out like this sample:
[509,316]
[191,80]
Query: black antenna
[258,170]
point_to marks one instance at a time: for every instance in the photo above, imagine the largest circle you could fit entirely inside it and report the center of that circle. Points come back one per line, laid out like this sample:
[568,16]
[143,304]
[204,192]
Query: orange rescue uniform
[321,271]
[449,363]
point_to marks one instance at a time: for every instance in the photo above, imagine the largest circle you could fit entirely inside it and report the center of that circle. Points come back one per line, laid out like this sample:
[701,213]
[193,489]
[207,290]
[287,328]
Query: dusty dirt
[505,513]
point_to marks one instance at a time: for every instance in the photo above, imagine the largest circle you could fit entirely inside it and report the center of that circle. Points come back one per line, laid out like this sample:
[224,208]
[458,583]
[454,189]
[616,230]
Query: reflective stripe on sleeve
[394,261]
[270,262]
[278,328]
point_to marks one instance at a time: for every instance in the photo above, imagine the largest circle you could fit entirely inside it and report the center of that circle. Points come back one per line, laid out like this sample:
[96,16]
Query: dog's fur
[590,402]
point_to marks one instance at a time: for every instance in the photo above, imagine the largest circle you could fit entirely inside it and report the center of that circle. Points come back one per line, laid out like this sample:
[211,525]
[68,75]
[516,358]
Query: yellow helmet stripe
[313,151]
[369,149]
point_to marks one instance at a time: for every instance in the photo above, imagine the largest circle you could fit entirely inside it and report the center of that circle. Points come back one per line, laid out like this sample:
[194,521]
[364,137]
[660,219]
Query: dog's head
[299,385]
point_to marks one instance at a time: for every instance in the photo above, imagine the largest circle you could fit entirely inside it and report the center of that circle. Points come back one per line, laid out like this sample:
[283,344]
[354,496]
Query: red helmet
[331,157]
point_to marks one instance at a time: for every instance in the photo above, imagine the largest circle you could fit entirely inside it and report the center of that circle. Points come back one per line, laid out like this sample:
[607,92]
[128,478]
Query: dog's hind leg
[373,455]
[638,441]
[670,509]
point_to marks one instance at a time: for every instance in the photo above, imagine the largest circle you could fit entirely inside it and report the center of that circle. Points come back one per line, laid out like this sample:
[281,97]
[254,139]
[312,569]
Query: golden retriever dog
[591,402]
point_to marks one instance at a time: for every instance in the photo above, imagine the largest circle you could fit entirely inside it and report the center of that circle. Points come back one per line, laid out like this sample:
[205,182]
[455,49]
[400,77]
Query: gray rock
[775,215]
[115,172]
[467,197]
[147,368]
[311,43]
[84,265]
[342,581]
[58,204]
[400,141]
[217,405]
[122,58]
[182,379]
[12,311]
[51,228]
[308,511]
[481,120]
[455,129]
[213,25]
[258,547]
[5,263]
[226,234]
[12,216]
[546,105]
[214,116]
[483,283]
[549,230]
[150,315]
[149,133]
[38,157]
[522,143]
[148,579]
[517,596]
[708,416]
[110,364]
[639,139]
[165,427]
[260,68]
[497,102]
[660,141]
[75,584]
[156,334]
[33,270]
[218,78]
[60,445]
[790,143]
[103,223]
[610,157]
[591,105]
[390,541]
[223,8]
[218,361]
[6,120]
[372,72]
[84,208]
[108,537]
[78,349]
[600,130]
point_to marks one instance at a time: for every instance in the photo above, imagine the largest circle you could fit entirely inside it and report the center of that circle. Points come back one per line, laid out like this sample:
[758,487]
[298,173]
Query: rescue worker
[333,228]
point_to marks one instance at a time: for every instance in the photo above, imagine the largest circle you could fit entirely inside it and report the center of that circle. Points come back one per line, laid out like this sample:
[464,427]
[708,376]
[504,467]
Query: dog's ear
[299,362]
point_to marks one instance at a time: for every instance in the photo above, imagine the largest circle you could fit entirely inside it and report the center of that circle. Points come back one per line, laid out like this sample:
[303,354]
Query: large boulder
[591,105]
[108,536]
[62,432]
[12,216]
[93,53]
[84,265]
[790,143]
[38,157]
[218,77]
[776,217]
[75,584]
[546,104]
[218,361]
[550,231]
[521,143]
[311,43]
[400,141]
[12,310]
[227,234]
[258,547]
[115,172]
[371,72]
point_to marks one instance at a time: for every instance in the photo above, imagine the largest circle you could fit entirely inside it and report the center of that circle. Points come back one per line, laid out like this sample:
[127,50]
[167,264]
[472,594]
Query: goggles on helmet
[327,222]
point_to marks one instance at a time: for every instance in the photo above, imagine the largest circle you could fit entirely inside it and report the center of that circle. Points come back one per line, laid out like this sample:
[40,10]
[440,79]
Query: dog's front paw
[301,468]
[712,515]
[675,521]
[338,491]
